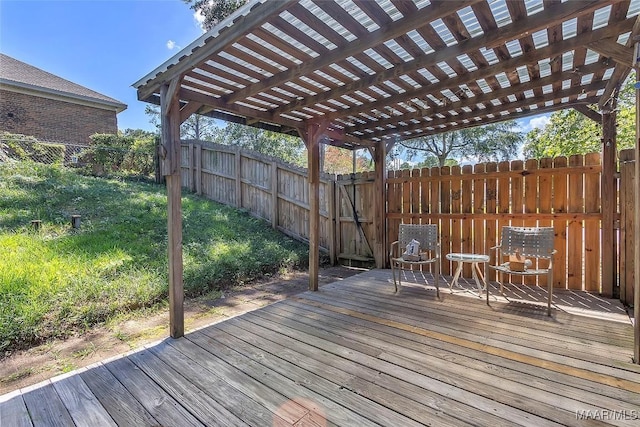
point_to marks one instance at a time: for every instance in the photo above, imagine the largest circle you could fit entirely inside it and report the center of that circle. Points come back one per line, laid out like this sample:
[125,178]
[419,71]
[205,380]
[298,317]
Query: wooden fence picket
[469,204]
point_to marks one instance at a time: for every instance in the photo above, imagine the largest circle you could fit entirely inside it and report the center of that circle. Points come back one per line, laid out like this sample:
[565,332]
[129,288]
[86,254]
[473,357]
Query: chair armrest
[391,251]
[498,257]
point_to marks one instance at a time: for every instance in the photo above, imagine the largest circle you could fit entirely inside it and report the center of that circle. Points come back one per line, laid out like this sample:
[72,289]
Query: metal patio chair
[531,242]
[427,235]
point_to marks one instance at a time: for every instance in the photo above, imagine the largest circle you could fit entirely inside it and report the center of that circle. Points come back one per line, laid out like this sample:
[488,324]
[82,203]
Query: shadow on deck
[356,354]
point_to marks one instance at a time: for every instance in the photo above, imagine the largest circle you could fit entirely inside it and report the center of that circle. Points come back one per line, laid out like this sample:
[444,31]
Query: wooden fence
[627,199]
[267,188]
[469,203]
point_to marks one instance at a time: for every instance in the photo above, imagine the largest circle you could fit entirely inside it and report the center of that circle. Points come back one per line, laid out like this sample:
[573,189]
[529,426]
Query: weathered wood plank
[13,411]
[199,404]
[459,321]
[543,389]
[161,405]
[45,406]
[458,317]
[594,329]
[531,197]
[115,398]
[370,356]
[318,381]
[445,207]
[575,229]
[82,404]
[217,387]
[516,371]
[559,363]
[268,395]
[414,402]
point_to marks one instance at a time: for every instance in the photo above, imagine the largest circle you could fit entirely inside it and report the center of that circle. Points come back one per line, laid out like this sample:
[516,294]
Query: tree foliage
[214,11]
[286,147]
[492,142]
[197,126]
[570,132]
[340,161]
[125,153]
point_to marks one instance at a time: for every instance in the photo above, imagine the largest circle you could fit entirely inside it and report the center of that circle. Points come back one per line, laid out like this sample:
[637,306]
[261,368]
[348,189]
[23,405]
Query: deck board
[456,357]
[315,366]
[357,354]
[14,412]
[116,399]
[82,404]
[45,407]
[234,400]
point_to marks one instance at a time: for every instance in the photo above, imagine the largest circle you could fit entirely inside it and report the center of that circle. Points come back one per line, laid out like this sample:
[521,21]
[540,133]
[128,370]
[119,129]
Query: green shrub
[107,153]
[139,159]
[23,147]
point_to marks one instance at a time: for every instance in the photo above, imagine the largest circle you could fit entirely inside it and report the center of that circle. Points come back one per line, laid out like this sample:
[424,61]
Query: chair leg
[549,292]
[437,274]
[393,273]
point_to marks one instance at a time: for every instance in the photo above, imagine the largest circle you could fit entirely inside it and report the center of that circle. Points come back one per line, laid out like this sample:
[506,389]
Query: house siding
[53,120]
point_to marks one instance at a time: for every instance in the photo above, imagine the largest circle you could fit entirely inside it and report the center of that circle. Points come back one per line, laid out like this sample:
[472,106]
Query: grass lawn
[56,282]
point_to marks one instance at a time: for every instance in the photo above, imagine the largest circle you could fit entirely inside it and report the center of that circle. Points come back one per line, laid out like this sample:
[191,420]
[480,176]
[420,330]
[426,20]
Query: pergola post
[636,227]
[170,166]
[312,141]
[609,202]
[380,210]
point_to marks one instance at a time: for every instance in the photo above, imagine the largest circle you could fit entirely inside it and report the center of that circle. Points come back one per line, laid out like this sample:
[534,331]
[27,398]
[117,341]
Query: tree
[214,11]
[432,162]
[286,147]
[340,161]
[197,126]
[497,141]
[571,132]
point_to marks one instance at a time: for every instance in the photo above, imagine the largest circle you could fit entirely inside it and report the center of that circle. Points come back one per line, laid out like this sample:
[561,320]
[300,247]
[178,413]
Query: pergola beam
[240,28]
[256,115]
[480,99]
[188,109]
[621,72]
[530,58]
[588,112]
[609,48]
[439,10]
[512,31]
[496,110]
[486,120]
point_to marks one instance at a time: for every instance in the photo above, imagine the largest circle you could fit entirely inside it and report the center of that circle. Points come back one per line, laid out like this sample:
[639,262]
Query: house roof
[389,70]
[20,76]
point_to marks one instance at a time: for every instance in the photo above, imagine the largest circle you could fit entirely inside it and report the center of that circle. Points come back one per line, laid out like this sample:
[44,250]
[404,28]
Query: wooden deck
[356,354]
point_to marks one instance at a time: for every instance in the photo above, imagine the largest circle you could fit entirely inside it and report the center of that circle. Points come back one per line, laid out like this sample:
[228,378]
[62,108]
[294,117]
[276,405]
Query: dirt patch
[48,360]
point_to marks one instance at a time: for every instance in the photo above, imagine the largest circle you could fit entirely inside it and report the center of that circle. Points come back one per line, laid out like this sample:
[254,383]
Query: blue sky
[106,45]
[103,45]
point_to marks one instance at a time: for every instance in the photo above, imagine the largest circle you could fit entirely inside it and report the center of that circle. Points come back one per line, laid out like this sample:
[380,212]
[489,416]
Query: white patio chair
[427,235]
[531,242]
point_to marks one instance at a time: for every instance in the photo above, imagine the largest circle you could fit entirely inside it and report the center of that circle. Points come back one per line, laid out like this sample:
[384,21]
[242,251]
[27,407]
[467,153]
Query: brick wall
[52,120]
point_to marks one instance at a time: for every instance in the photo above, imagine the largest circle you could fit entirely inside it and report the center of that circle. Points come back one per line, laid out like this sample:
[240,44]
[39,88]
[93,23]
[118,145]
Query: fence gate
[354,217]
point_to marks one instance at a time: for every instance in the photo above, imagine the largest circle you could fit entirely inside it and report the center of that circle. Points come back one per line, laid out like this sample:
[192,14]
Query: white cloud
[171,45]
[539,122]
[199,18]
[527,125]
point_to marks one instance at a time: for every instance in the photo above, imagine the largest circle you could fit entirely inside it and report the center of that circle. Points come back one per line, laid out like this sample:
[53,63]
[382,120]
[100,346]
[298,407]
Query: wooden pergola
[366,74]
